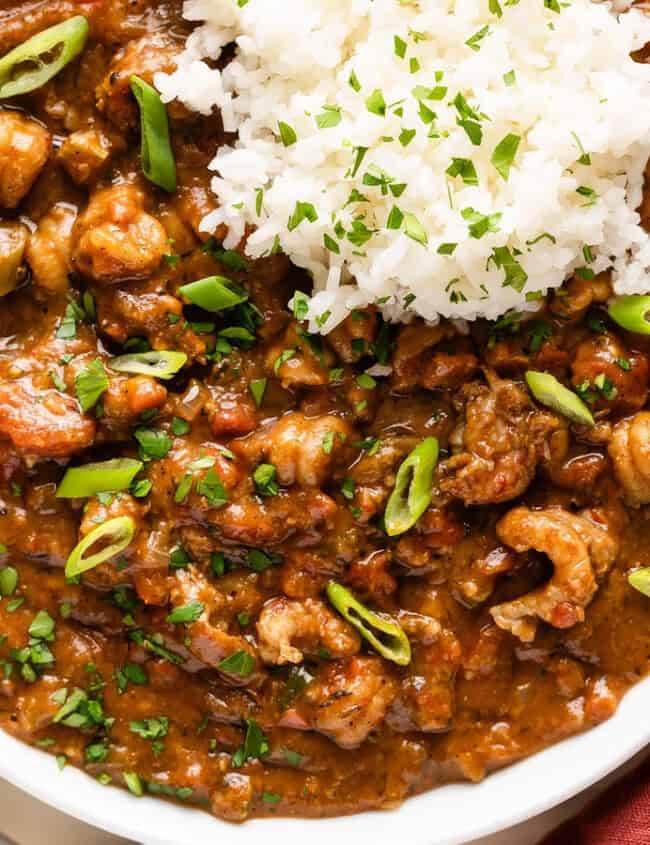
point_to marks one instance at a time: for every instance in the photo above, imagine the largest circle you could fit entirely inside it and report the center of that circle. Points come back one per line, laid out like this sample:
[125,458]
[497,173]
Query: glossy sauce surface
[320,724]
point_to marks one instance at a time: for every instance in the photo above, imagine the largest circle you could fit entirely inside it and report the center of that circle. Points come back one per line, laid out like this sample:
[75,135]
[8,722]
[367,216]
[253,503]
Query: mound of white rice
[442,157]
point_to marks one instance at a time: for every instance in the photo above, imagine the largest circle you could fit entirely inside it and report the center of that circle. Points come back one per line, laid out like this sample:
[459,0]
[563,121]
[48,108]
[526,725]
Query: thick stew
[262,571]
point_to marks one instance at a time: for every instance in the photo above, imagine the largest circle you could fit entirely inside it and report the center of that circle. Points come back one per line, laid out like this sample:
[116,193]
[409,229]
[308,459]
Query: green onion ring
[550,392]
[119,532]
[214,293]
[630,312]
[164,364]
[28,66]
[640,580]
[156,153]
[411,495]
[385,635]
[103,477]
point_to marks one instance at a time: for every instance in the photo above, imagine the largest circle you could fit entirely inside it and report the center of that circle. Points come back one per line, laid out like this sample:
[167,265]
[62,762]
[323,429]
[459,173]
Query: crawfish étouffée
[204,661]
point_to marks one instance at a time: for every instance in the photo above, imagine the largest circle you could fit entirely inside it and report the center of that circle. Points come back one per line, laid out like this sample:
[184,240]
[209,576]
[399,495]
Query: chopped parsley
[154,443]
[265,478]
[282,359]
[589,193]
[287,134]
[211,487]
[130,673]
[150,729]
[515,275]
[504,154]
[480,224]
[329,117]
[258,561]
[376,104]
[303,211]
[179,426]
[347,488]
[463,167]
[8,581]
[90,383]
[254,747]
[257,388]
[240,663]
[474,43]
[186,614]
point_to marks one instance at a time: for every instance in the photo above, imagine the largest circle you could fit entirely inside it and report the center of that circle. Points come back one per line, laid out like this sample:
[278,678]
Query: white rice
[576,94]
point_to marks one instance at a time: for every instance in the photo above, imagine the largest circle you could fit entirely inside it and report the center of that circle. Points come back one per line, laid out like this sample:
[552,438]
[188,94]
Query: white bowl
[447,816]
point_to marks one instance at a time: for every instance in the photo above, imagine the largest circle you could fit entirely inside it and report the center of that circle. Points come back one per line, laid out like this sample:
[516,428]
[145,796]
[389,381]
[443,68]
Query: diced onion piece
[411,495]
[385,635]
[214,293]
[33,63]
[631,313]
[117,533]
[550,392]
[103,477]
[160,364]
[157,157]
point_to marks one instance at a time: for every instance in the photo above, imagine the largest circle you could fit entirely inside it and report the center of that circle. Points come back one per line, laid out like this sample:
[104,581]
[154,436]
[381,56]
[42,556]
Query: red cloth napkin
[621,816]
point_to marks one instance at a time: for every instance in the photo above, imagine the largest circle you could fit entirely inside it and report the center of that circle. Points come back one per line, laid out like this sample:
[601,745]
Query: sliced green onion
[164,364]
[103,477]
[33,63]
[550,392]
[630,312]
[214,293]
[134,783]
[156,153]
[640,580]
[8,581]
[117,532]
[412,493]
[384,634]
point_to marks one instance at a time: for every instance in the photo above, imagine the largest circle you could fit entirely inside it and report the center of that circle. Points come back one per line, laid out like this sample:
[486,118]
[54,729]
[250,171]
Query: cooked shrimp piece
[604,360]
[24,149]
[144,57]
[351,339]
[580,294]
[144,310]
[299,359]
[370,575]
[498,444]
[302,449]
[579,472]
[49,248]
[127,398]
[252,522]
[347,700]
[414,341]
[115,239]
[192,202]
[581,550]
[207,637]
[287,629]
[427,697]
[305,573]
[43,422]
[629,450]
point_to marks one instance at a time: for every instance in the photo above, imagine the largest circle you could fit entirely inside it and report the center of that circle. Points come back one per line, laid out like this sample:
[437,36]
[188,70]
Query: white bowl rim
[449,815]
